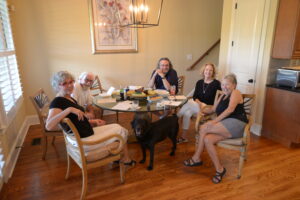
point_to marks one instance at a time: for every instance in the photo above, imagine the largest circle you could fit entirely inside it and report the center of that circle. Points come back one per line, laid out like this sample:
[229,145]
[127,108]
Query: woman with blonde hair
[204,94]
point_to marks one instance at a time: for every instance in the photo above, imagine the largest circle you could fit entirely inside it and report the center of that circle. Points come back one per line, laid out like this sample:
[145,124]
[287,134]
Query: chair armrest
[105,138]
[201,117]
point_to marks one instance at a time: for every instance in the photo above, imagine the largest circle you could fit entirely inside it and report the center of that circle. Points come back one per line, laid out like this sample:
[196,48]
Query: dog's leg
[174,146]
[173,137]
[144,154]
[151,147]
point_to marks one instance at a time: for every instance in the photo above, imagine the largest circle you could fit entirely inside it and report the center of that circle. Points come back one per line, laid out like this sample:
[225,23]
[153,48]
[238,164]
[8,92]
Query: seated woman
[230,123]
[204,94]
[164,76]
[63,105]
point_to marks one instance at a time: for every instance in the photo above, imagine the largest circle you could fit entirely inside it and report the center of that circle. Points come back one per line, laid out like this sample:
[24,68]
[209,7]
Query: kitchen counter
[281,120]
[284,88]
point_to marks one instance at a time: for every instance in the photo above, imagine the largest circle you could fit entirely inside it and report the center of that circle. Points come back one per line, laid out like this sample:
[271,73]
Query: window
[10,86]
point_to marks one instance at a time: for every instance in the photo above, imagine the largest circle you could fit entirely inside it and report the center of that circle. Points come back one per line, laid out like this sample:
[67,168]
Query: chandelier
[140,13]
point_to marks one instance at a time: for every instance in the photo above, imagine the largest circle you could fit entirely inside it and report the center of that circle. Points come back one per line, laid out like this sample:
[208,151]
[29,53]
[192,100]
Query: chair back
[248,107]
[96,87]
[248,102]
[41,104]
[180,84]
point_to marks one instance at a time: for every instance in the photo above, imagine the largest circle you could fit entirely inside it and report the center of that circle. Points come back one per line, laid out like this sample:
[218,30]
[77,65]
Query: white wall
[55,35]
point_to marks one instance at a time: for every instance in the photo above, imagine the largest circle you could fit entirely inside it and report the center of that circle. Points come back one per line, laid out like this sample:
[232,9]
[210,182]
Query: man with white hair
[82,93]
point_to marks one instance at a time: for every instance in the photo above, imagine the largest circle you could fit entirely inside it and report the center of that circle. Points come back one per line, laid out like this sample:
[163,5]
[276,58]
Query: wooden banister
[205,54]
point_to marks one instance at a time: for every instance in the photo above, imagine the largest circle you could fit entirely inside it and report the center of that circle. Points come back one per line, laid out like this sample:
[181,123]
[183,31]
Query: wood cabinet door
[296,52]
[286,27]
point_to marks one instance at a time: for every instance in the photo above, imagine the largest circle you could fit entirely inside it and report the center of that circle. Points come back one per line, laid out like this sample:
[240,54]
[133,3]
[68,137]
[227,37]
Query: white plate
[163,93]
[134,87]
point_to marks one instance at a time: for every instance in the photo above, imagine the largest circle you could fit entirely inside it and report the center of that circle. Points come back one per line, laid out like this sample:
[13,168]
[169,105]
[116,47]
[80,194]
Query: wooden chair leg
[246,153]
[241,163]
[117,113]
[122,172]
[44,146]
[84,183]
[53,140]
[68,167]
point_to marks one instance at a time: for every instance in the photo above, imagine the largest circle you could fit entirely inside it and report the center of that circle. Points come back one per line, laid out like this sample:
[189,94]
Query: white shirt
[83,97]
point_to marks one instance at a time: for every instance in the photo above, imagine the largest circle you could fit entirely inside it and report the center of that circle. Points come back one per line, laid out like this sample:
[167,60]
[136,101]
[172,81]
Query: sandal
[131,163]
[218,177]
[191,163]
[181,140]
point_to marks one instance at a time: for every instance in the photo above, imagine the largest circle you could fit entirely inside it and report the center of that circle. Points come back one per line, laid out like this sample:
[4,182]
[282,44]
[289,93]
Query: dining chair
[180,84]
[41,104]
[238,144]
[97,89]
[94,158]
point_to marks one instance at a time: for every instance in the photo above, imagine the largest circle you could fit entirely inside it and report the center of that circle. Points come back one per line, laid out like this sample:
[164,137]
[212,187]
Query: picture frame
[106,34]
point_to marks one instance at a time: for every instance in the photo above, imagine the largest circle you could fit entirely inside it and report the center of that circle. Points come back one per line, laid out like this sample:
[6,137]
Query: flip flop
[181,140]
[191,163]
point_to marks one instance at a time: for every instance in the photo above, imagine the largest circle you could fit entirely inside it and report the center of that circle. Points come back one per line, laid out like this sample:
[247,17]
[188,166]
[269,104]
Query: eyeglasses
[67,83]
[162,65]
[88,80]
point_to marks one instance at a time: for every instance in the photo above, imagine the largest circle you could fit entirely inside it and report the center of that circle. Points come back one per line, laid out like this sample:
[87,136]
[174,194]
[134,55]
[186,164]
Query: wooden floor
[271,172]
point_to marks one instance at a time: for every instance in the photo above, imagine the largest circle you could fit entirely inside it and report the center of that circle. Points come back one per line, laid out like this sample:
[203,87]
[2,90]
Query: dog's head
[140,126]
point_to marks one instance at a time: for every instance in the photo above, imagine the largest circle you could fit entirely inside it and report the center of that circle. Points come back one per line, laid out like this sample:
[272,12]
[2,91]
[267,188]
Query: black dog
[148,134]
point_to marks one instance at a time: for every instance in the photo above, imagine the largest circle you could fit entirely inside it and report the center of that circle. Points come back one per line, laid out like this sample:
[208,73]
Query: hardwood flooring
[272,172]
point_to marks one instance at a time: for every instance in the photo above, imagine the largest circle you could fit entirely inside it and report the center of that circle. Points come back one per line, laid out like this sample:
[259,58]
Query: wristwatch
[163,77]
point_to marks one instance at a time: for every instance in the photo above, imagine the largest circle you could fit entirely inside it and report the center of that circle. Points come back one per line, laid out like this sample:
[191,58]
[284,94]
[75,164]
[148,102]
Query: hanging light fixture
[140,13]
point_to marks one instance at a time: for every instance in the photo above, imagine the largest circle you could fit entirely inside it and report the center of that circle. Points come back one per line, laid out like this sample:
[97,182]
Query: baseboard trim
[256,129]
[13,156]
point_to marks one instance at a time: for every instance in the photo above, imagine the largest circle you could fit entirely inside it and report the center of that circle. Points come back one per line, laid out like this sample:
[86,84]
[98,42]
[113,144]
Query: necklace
[205,86]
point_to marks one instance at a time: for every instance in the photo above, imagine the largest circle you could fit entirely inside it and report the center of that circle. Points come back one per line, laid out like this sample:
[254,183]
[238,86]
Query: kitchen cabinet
[287,33]
[281,121]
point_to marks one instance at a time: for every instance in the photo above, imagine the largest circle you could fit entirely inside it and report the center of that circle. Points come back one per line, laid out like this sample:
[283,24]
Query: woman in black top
[63,105]
[230,123]
[204,94]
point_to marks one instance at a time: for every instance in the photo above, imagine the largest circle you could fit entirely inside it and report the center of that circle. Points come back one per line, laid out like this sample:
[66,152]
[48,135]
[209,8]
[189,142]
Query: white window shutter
[10,85]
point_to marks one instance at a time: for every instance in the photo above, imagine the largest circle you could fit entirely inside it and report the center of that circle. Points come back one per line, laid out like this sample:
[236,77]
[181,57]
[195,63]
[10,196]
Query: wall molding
[13,156]
[256,129]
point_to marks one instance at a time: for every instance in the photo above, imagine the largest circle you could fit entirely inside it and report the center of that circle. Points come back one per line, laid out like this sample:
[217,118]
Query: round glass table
[114,104]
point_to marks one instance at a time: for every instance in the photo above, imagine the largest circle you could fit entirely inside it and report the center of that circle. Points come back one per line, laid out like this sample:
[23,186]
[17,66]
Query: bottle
[122,95]
[125,93]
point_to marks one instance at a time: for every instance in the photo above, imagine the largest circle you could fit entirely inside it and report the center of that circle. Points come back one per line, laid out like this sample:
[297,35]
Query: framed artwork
[107,35]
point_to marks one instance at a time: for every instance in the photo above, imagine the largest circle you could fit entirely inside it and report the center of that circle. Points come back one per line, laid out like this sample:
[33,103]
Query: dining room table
[139,105]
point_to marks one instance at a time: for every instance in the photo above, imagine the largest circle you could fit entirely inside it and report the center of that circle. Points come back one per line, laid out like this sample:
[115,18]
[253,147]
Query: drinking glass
[173,90]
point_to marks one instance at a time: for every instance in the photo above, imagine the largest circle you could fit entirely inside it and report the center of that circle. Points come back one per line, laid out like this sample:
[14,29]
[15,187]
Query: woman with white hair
[63,105]
[204,94]
[230,123]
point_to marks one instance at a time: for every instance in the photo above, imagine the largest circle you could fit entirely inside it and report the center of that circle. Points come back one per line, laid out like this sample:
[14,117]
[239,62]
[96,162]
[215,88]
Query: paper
[125,105]
[106,100]
[110,90]
[180,97]
[170,103]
